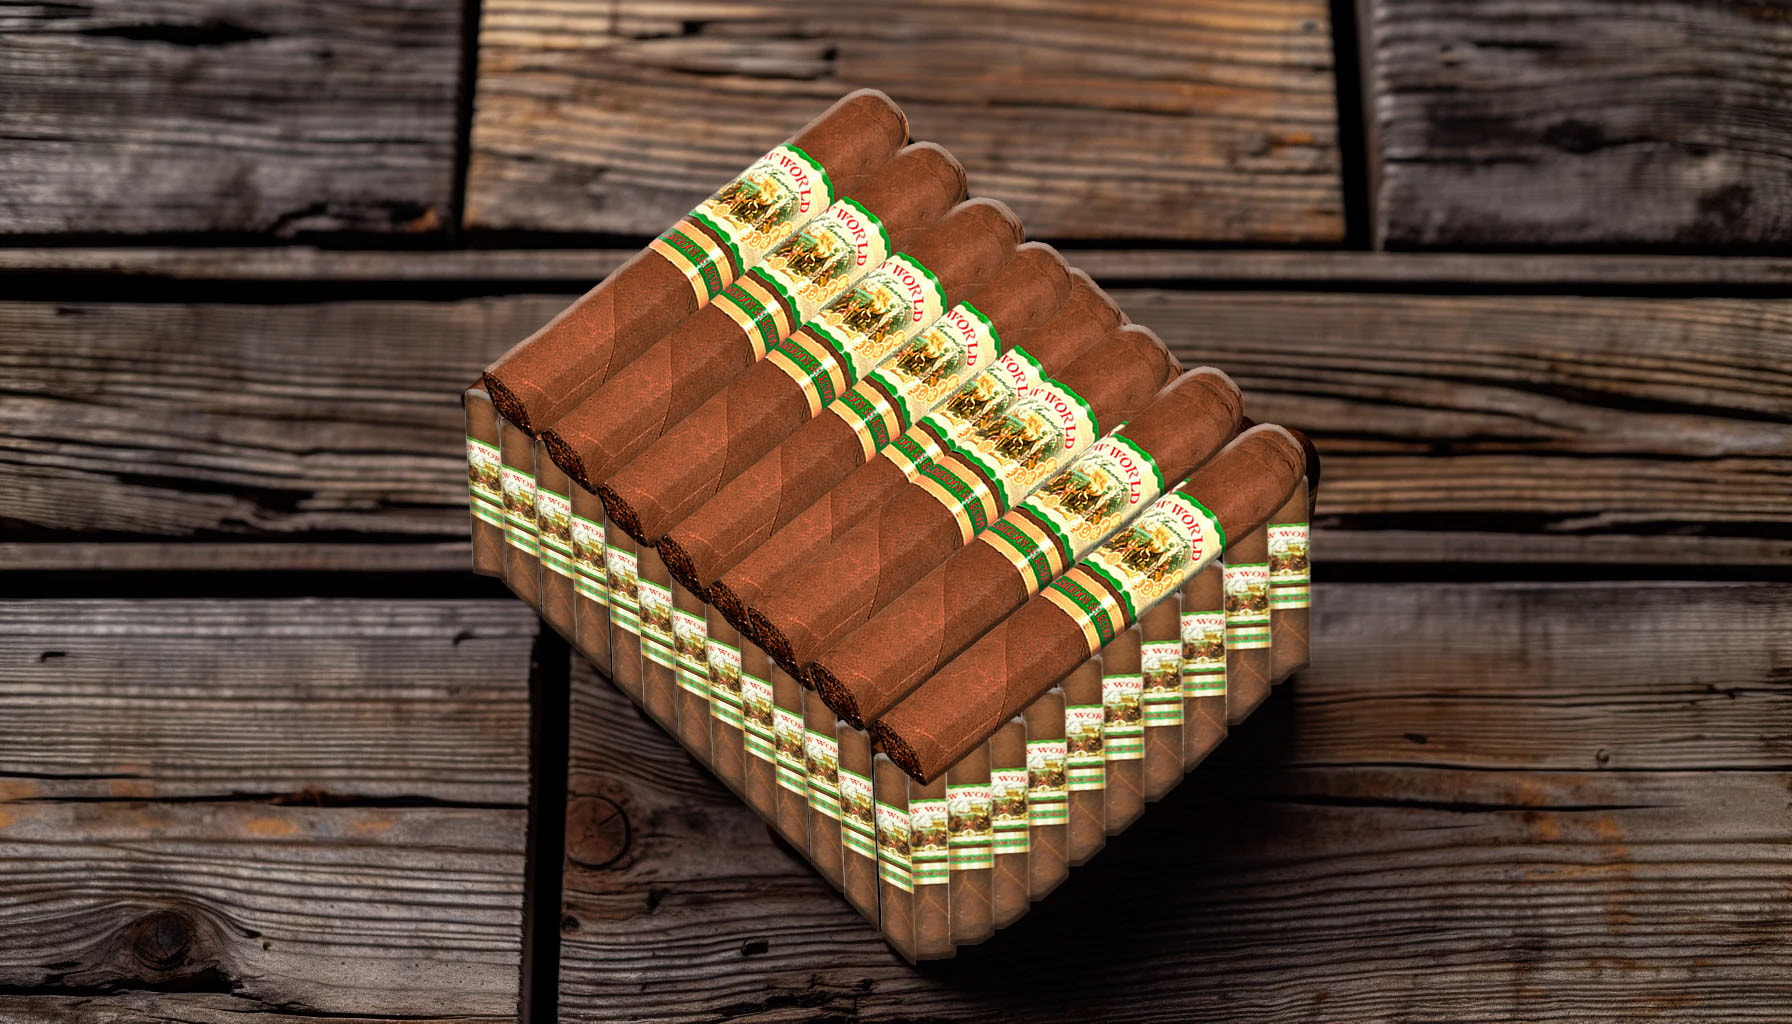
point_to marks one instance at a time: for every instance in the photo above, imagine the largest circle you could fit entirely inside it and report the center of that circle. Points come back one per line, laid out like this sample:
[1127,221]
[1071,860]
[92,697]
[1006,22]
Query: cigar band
[1160,662]
[1048,785]
[724,681]
[893,852]
[1076,510]
[484,490]
[655,602]
[1008,809]
[987,394]
[591,579]
[1204,654]
[1289,567]
[970,832]
[923,373]
[928,839]
[856,815]
[757,712]
[1005,456]
[1085,750]
[787,730]
[1247,606]
[519,509]
[1122,722]
[860,328]
[625,607]
[689,633]
[821,765]
[1164,545]
[791,284]
[733,229]
[553,519]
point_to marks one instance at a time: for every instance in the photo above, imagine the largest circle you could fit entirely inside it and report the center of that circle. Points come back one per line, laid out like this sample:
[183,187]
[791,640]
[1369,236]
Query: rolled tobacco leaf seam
[547,374]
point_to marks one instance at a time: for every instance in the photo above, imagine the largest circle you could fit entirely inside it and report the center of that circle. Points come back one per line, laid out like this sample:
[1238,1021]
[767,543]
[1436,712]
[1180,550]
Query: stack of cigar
[898,524]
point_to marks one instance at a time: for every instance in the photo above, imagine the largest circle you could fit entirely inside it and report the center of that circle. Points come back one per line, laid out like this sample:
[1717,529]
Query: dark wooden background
[1524,270]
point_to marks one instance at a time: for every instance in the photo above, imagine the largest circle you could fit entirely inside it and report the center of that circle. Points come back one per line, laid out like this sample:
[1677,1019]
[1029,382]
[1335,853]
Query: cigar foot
[678,563]
[838,698]
[773,640]
[508,405]
[723,599]
[567,458]
[900,753]
[618,510]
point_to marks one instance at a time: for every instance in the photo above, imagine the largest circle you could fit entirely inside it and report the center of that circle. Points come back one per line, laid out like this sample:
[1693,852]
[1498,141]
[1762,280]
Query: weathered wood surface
[149,116]
[1539,123]
[1505,428]
[1162,119]
[291,808]
[1431,825]
[301,266]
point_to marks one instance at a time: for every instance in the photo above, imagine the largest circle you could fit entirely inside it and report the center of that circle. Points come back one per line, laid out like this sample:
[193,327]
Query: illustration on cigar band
[588,557]
[553,518]
[929,840]
[894,847]
[1008,798]
[1046,779]
[734,228]
[970,826]
[624,581]
[1203,654]
[1120,703]
[1075,509]
[1136,567]
[484,484]
[1247,593]
[1289,565]
[828,252]
[1083,733]
[821,759]
[758,711]
[724,670]
[787,739]
[519,508]
[932,365]
[1161,665]
[656,610]
[689,631]
[856,806]
[880,311]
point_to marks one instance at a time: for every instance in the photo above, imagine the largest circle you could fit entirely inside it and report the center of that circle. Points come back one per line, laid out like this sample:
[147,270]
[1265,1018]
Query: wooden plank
[1422,831]
[181,1008]
[1504,429]
[1542,123]
[146,116]
[1161,119]
[1389,271]
[298,808]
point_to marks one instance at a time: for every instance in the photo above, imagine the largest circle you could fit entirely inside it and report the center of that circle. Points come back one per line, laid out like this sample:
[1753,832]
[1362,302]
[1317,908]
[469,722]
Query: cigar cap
[918,166]
[873,106]
[1084,291]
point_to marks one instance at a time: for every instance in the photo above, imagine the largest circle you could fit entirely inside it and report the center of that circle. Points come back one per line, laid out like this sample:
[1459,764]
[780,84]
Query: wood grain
[1393,842]
[1161,119]
[186,1008]
[153,116]
[293,807]
[1539,123]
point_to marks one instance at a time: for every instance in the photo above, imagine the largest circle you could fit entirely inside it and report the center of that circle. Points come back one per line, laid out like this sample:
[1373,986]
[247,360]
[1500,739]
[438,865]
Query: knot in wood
[161,939]
[597,831]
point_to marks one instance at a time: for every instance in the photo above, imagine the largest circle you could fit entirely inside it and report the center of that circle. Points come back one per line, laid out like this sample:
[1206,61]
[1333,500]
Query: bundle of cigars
[898,524]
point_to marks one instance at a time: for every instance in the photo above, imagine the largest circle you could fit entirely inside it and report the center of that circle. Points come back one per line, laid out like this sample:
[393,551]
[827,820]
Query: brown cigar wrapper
[1020,658]
[591,618]
[759,775]
[558,596]
[1290,629]
[727,742]
[772,517]
[1161,624]
[692,700]
[1247,669]
[1203,715]
[898,543]
[488,540]
[895,903]
[968,893]
[791,803]
[522,553]
[1086,829]
[761,407]
[659,681]
[871,668]
[826,851]
[933,920]
[1048,842]
[1009,884]
[625,643]
[1125,799]
[545,375]
[638,403]
[858,874]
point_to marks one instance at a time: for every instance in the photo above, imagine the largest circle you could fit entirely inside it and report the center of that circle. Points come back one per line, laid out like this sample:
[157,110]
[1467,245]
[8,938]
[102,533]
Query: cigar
[927,811]
[787,288]
[1085,807]
[825,478]
[821,767]
[727,750]
[759,768]
[1044,426]
[559,570]
[591,604]
[690,668]
[895,857]
[522,538]
[624,574]
[544,376]
[996,677]
[1048,795]
[970,842]
[791,805]
[807,371]
[1008,813]
[1123,730]
[1203,664]
[485,488]
[659,677]
[1160,662]
[858,819]
[1247,622]
[872,667]
[1290,634]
